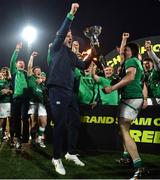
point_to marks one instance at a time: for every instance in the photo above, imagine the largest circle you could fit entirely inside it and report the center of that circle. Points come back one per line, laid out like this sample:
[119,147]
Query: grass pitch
[35,163]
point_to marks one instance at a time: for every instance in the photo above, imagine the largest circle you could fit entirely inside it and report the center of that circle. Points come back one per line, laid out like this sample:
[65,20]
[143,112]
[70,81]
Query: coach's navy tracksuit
[62,97]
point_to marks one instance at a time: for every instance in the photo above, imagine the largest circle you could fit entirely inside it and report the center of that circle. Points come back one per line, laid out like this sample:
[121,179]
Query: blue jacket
[63,61]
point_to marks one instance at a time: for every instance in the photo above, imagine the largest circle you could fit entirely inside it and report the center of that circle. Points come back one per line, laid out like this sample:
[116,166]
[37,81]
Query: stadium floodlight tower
[29,34]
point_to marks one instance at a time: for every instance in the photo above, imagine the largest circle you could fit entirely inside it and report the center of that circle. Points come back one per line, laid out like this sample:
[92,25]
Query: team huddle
[28,98]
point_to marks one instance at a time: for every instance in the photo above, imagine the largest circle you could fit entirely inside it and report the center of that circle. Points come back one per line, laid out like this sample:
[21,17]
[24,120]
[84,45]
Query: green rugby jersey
[88,88]
[36,90]
[134,89]
[5,84]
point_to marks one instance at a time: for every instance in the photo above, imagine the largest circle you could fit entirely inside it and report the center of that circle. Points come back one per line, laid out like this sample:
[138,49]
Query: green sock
[41,131]
[137,163]
[126,154]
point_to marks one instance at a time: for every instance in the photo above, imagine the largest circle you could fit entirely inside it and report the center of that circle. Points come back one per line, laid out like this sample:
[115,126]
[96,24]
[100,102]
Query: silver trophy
[92,33]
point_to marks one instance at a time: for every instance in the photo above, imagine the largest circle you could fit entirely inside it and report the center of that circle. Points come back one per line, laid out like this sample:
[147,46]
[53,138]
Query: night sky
[141,18]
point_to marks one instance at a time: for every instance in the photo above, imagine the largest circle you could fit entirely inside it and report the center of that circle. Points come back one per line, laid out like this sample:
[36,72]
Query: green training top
[148,81]
[107,99]
[88,88]
[154,83]
[20,82]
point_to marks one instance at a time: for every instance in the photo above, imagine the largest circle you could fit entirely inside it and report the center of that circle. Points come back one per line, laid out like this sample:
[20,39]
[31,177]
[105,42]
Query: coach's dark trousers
[65,112]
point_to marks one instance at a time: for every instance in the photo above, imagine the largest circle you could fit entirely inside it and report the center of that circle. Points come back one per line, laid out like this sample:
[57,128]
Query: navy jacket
[64,61]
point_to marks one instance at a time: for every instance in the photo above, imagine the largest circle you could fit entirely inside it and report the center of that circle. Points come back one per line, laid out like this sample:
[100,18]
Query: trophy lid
[92,31]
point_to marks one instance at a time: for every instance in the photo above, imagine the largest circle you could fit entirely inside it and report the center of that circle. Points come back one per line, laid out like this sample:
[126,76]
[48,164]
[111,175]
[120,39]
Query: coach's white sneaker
[58,166]
[74,158]
[41,143]
[18,144]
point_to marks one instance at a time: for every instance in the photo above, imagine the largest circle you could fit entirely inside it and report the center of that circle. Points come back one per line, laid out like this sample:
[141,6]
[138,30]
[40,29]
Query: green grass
[36,164]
